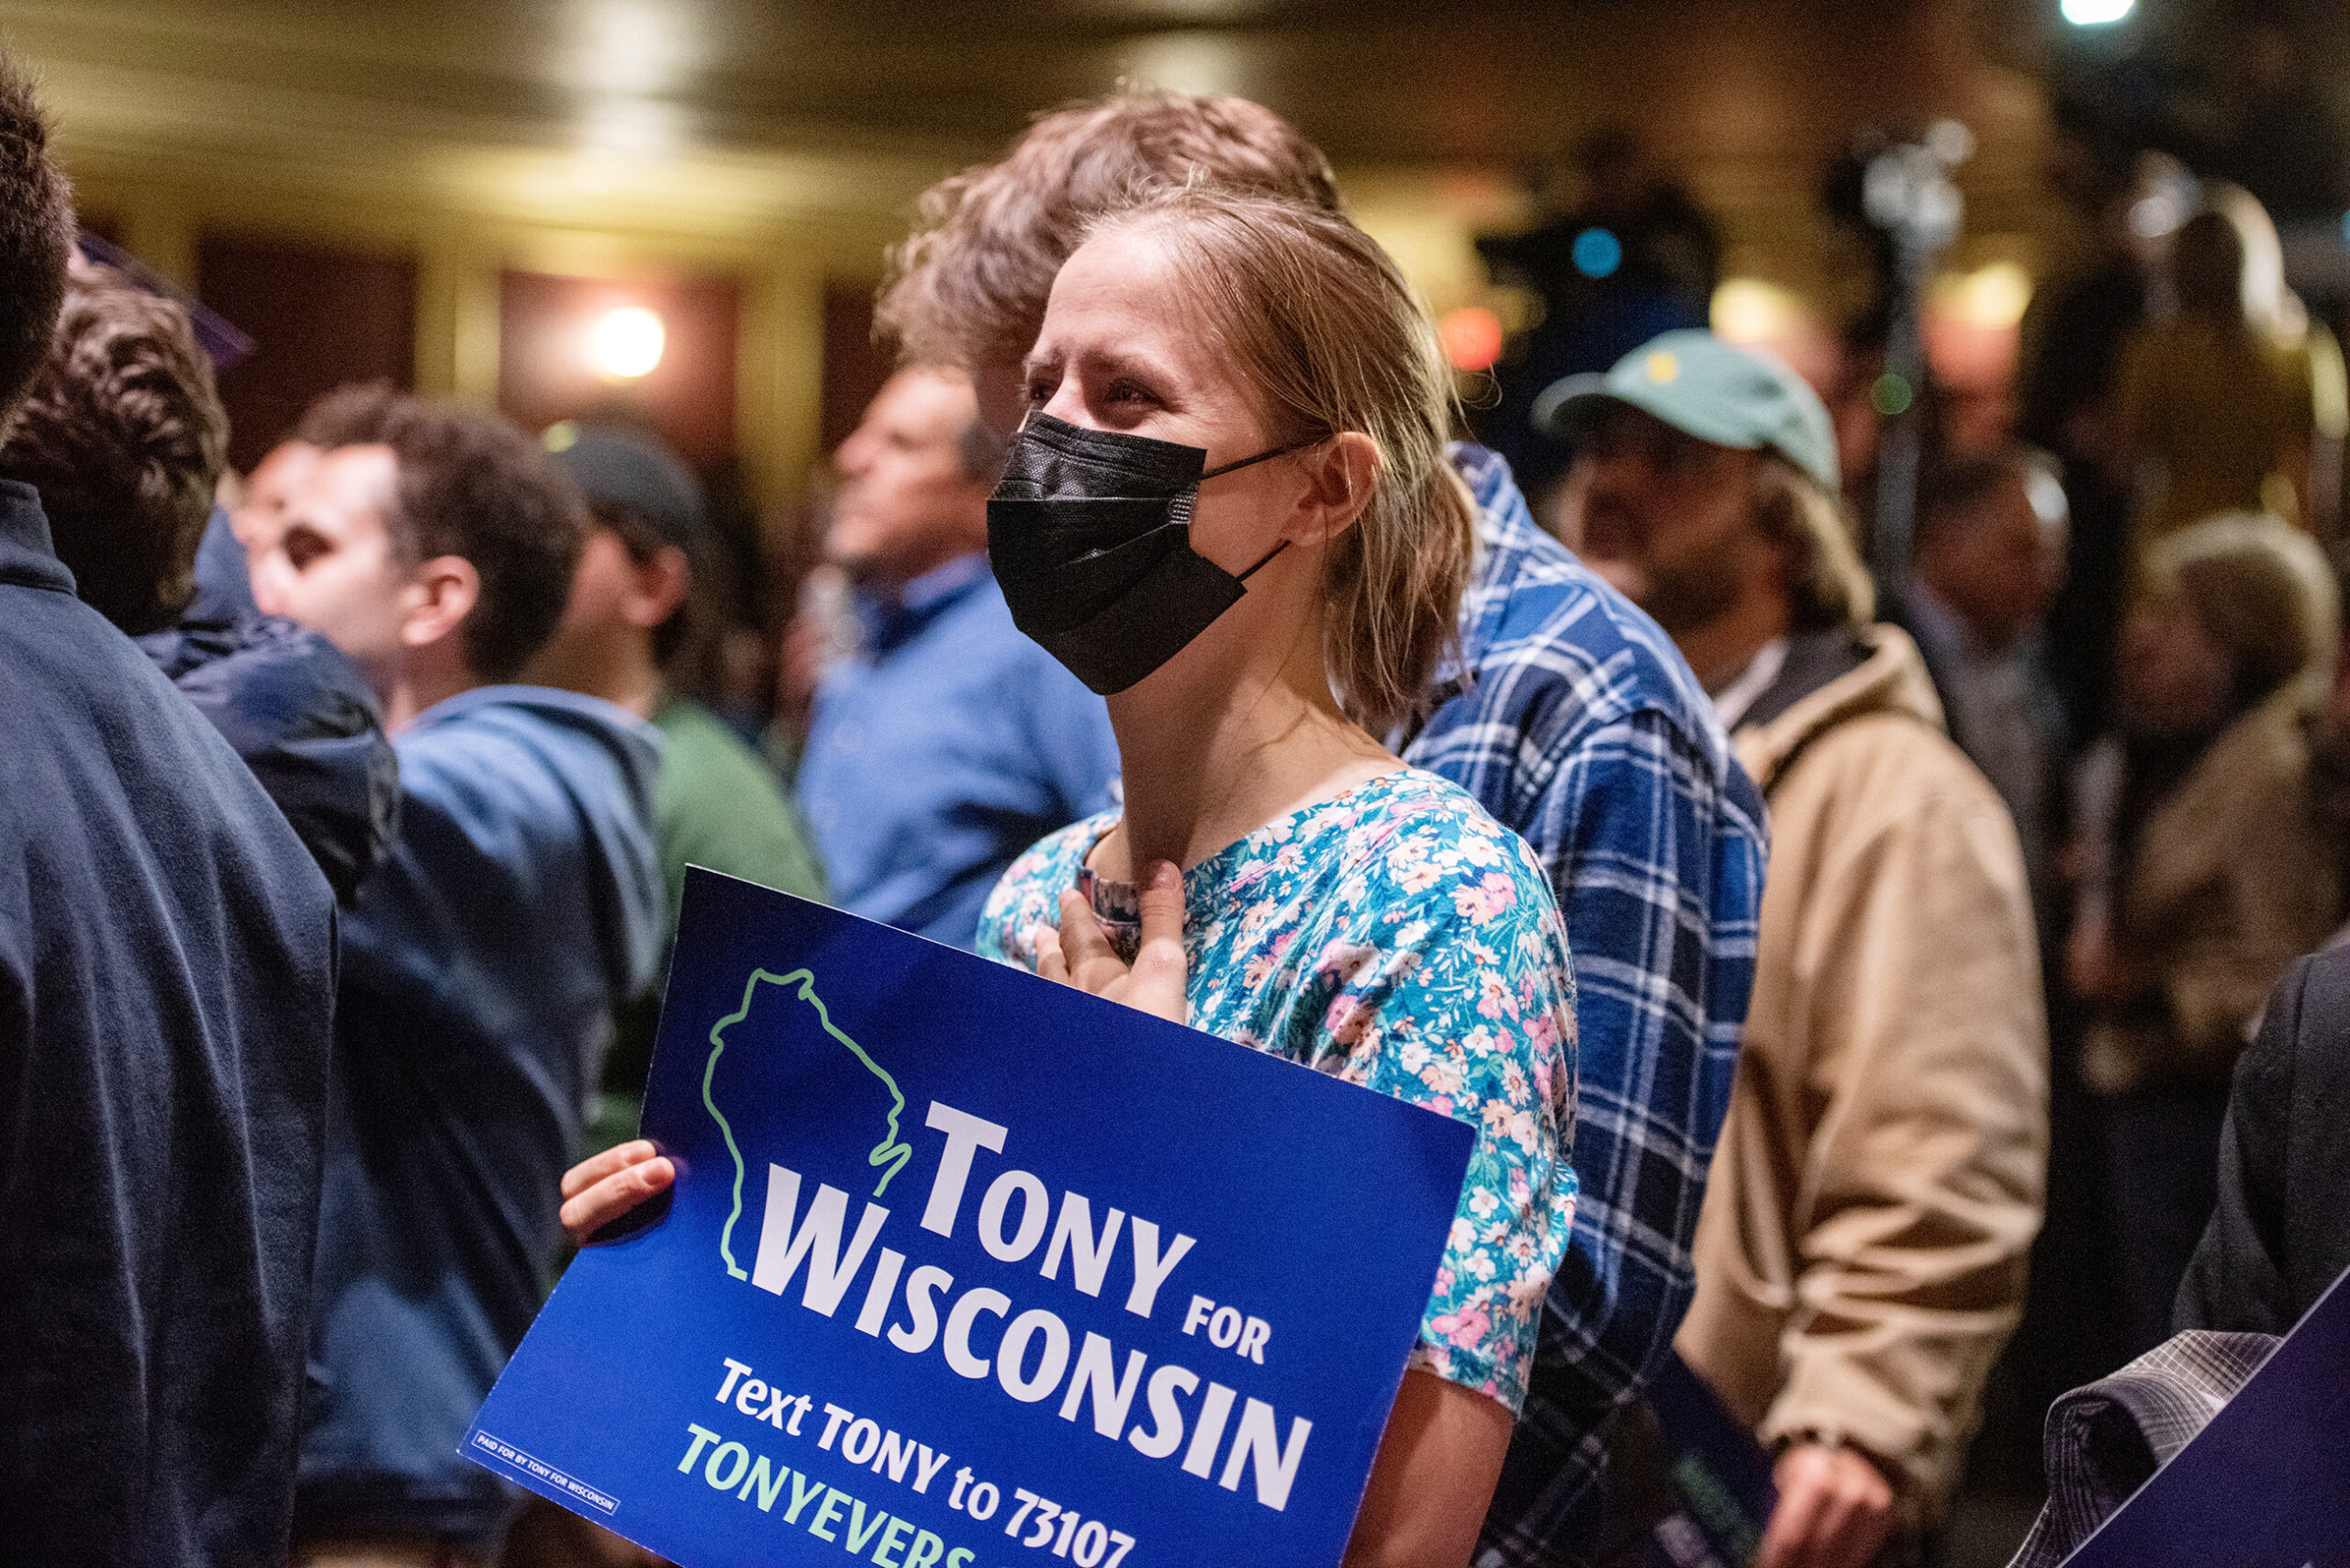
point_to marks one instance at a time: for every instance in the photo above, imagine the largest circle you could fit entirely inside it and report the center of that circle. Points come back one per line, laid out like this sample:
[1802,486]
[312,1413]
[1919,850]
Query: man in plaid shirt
[1585,731]
[1570,715]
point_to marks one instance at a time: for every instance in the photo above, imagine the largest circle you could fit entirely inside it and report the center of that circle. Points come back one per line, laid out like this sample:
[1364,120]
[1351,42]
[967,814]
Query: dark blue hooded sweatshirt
[166,1008]
[293,707]
[481,965]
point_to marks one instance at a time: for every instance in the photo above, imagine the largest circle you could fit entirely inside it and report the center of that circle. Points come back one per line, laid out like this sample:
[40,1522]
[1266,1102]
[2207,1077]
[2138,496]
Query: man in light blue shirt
[948,742]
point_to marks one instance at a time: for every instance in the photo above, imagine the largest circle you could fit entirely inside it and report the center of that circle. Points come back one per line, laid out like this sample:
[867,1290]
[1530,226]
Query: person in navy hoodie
[167,973]
[520,903]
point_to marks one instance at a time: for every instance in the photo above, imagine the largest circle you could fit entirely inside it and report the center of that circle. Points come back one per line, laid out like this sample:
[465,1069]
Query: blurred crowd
[1946,936]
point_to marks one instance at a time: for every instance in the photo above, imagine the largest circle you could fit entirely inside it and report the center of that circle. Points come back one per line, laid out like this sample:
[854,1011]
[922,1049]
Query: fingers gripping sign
[1080,955]
[604,1187]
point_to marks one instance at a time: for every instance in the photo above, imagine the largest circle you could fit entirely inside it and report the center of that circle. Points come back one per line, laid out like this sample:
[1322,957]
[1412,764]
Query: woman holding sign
[1228,512]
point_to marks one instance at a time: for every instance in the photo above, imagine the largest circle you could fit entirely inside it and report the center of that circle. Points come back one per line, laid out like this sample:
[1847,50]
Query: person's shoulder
[975,645]
[120,752]
[716,797]
[1420,837]
[979,618]
[1896,762]
[1540,625]
[66,668]
[1439,880]
[2317,989]
[269,681]
[533,755]
[547,722]
[697,746]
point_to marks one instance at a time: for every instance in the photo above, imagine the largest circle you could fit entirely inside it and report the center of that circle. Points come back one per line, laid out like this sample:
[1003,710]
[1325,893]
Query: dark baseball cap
[624,470]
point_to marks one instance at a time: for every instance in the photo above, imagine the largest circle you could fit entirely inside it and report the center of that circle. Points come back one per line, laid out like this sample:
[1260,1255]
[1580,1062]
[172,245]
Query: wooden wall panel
[318,316]
[854,367]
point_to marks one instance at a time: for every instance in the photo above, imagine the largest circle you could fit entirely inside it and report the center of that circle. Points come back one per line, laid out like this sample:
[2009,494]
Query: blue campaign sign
[964,1269]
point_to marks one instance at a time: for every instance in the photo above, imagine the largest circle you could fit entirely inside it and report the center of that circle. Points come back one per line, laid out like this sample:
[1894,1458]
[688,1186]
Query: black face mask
[1091,536]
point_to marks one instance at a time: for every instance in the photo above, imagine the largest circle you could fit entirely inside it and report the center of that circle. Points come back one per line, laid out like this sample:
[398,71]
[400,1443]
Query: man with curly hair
[125,438]
[482,964]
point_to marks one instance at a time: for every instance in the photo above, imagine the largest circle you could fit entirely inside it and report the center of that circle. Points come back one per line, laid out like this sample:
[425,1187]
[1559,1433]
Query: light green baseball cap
[1707,388]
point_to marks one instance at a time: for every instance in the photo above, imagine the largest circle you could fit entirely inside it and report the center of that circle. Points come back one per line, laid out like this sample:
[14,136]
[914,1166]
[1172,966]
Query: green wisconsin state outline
[888,1152]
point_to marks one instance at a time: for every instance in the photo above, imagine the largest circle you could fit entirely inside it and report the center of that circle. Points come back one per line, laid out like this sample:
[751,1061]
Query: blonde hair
[1321,323]
[1829,587]
[2262,588]
[968,286]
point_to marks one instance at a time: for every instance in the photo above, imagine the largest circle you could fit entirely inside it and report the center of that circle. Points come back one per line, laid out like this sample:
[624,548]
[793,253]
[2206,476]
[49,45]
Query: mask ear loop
[1264,458]
[1261,560]
[1245,462]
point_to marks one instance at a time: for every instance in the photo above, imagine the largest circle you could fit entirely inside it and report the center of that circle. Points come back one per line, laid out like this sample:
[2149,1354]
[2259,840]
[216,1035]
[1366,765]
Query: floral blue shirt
[1397,937]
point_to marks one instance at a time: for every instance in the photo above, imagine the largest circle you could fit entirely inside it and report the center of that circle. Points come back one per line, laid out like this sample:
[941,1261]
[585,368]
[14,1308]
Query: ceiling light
[2097,12]
[626,343]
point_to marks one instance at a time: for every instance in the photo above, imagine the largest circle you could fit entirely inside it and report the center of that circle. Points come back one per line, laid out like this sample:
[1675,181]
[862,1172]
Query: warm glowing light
[1190,60]
[1994,296]
[633,48]
[627,341]
[2097,12]
[1748,311]
[1473,337]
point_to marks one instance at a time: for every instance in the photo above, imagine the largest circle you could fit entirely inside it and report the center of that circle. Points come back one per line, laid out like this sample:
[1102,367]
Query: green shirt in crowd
[717,804]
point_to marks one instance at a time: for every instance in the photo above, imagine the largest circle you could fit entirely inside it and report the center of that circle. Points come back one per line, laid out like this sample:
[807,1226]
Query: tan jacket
[2233,879]
[1861,1252]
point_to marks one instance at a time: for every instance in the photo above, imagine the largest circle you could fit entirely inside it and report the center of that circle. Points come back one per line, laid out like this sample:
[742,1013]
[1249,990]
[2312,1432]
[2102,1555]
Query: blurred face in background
[603,645]
[1667,518]
[906,503]
[335,565]
[2175,677]
[1999,569]
[268,488]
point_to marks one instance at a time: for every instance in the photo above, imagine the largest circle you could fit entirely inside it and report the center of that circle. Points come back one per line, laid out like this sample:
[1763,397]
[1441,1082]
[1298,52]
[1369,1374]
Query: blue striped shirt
[1583,729]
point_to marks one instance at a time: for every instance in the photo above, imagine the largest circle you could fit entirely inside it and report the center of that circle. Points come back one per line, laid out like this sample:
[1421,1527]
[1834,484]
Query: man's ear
[657,586]
[437,598]
[1339,475]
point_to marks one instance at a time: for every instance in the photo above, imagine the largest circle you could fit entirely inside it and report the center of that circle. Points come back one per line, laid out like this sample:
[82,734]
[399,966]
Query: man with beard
[949,743]
[1860,1251]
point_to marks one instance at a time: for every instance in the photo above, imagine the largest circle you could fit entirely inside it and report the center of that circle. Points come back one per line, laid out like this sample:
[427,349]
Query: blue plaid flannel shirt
[1585,731]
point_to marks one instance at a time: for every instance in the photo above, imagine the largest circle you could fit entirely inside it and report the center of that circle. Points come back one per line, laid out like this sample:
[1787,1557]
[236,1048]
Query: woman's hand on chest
[1079,954]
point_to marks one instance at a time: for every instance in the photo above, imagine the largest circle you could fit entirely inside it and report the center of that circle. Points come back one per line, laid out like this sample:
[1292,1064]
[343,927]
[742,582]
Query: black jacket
[2281,1233]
